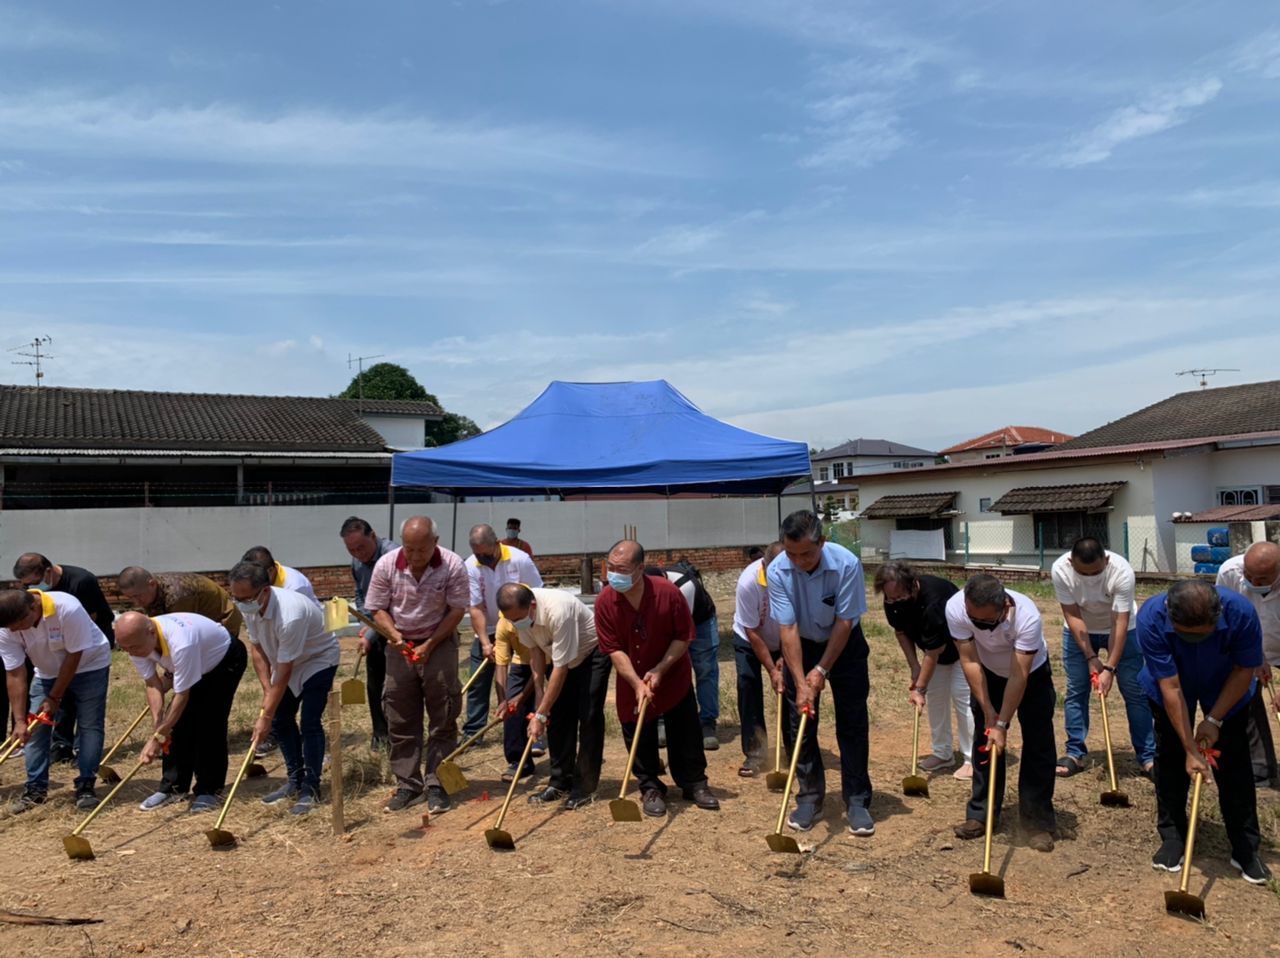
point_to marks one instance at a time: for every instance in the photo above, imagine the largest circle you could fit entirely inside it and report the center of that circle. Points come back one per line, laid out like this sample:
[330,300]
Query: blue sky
[817,219]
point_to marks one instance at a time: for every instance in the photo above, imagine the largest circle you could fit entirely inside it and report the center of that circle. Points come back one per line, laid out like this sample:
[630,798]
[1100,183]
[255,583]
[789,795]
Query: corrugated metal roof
[1072,498]
[1234,514]
[920,505]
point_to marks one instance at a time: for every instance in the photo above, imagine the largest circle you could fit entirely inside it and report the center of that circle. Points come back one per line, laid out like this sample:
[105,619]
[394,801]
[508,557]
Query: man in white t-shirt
[1000,638]
[203,662]
[1256,576]
[72,660]
[490,566]
[757,652]
[296,660]
[1095,588]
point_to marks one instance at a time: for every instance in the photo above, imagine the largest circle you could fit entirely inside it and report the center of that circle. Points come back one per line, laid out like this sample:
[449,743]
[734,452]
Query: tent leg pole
[454,539]
[779,515]
[391,512]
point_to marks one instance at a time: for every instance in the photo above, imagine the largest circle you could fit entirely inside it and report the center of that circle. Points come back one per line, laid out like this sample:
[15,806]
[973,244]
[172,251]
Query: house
[836,470]
[82,448]
[1008,441]
[1122,482]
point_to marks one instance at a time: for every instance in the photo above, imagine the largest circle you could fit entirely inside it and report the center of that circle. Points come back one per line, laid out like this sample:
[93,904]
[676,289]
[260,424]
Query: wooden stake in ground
[335,762]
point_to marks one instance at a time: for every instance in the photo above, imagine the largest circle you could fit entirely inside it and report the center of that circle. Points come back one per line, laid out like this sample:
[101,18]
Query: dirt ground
[697,883]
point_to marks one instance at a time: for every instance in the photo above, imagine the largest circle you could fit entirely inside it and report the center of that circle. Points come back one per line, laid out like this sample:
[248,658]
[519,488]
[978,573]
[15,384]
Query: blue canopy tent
[600,438]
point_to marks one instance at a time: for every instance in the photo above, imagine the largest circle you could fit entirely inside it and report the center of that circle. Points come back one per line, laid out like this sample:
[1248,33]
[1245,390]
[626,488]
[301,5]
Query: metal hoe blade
[985,883]
[499,839]
[1182,902]
[451,778]
[108,775]
[220,838]
[353,692]
[783,843]
[78,848]
[624,810]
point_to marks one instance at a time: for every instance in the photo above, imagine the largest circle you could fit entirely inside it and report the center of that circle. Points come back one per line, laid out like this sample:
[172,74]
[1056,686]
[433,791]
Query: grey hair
[482,535]
[985,591]
[800,525]
[1193,602]
[899,573]
[255,573]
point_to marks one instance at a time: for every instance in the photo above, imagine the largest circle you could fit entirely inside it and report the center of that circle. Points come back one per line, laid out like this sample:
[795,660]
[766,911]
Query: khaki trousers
[410,688]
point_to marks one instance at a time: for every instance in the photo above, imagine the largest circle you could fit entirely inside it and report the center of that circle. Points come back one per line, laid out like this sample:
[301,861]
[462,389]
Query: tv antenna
[1204,374]
[359,362]
[34,351]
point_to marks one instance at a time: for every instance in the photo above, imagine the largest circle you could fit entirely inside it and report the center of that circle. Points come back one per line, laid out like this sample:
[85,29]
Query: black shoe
[437,800]
[548,796]
[26,801]
[655,806]
[404,798]
[1168,857]
[1253,871]
[529,769]
[701,796]
[86,799]
[379,743]
[710,743]
[266,746]
[576,802]
[62,755]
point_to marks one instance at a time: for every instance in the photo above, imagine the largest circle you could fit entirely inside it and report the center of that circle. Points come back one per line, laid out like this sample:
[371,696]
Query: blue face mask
[621,581]
[1257,589]
[40,586]
[525,624]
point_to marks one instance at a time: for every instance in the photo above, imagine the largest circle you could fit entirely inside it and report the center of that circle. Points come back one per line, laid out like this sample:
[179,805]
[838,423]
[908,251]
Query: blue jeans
[88,692]
[303,749]
[479,693]
[705,652]
[1080,692]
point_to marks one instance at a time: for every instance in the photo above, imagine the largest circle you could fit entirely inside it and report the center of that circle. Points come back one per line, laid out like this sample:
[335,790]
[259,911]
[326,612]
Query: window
[927,524]
[1059,530]
[823,474]
[991,455]
[837,471]
[908,464]
[1240,496]
[984,504]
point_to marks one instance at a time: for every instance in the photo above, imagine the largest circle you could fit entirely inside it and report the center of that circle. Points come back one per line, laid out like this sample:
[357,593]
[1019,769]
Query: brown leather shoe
[1040,841]
[972,828]
[701,796]
[654,805]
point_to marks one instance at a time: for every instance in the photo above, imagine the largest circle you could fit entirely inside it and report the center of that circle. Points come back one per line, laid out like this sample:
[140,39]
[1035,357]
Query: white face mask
[252,607]
[1258,590]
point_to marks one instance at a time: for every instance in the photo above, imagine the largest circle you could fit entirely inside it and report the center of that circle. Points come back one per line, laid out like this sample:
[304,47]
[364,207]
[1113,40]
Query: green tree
[390,381]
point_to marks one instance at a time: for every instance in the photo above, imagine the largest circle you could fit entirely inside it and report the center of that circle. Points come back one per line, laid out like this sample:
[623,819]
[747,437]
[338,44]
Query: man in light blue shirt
[817,596]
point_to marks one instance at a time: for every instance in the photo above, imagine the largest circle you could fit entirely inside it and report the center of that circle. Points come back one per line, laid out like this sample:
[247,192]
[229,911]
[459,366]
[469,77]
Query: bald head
[626,553]
[419,539]
[136,634]
[1262,563]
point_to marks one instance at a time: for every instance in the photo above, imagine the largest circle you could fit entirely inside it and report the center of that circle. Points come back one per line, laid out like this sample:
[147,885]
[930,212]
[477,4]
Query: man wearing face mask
[757,652]
[281,576]
[295,660]
[1202,645]
[817,595]
[1000,637]
[365,549]
[916,607]
[560,630]
[513,540]
[645,627]
[490,566]
[1256,576]
[1095,588]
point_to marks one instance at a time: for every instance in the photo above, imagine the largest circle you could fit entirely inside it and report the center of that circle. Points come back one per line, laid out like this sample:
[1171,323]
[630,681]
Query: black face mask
[985,626]
[903,613]
[487,561]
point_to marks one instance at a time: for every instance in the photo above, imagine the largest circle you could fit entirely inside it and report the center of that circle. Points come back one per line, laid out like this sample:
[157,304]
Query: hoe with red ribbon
[983,882]
[33,719]
[1113,797]
[404,648]
[1182,902]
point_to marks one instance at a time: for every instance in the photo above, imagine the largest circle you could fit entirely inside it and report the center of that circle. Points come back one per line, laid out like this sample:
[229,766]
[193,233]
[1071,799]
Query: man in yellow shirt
[514,676]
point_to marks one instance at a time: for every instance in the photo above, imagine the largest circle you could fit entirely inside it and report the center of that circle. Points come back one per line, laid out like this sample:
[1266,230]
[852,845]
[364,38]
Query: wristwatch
[1216,723]
[821,671]
[540,717]
[1002,725]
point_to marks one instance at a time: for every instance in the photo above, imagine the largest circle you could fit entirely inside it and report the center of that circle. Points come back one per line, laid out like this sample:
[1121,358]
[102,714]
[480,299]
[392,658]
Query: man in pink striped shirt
[418,595]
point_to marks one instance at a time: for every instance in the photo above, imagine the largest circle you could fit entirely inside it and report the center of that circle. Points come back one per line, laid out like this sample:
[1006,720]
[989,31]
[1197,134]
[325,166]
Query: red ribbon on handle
[1095,679]
[1210,755]
[44,718]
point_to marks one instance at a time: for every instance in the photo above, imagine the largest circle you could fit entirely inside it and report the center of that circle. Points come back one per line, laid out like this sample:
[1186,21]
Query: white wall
[106,540]
[399,432]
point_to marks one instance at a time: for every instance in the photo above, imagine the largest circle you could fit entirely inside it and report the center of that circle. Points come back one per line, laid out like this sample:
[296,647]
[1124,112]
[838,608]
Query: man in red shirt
[645,627]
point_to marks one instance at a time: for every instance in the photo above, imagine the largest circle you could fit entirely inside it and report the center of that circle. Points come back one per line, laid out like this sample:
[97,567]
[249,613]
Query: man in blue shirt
[1201,645]
[365,549]
[817,596]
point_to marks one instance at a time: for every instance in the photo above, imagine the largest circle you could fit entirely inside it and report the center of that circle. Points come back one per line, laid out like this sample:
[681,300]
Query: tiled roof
[1234,514]
[1009,437]
[921,505]
[1203,413]
[1028,499]
[872,447]
[39,417]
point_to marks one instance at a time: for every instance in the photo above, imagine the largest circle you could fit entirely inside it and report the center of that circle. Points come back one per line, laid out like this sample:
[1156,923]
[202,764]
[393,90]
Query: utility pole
[1204,374]
[35,355]
[358,361]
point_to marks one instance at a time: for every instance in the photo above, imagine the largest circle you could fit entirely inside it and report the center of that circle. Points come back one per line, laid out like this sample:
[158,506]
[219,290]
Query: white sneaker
[159,800]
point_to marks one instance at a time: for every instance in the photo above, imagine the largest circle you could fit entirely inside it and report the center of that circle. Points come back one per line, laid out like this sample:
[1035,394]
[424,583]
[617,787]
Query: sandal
[1069,765]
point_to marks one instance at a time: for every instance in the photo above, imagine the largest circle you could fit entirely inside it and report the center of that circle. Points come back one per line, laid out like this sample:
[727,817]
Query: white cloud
[1260,55]
[1158,112]
[63,123]
[21,30]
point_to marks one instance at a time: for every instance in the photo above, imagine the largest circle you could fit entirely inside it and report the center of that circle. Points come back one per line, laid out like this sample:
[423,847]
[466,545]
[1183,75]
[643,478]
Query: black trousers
[685,755]
[1262,749]
[376,670]
[575,737]
[1037,771]
[850,685]
[199,744]
[751,713]
[1237,796]
[515,727]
